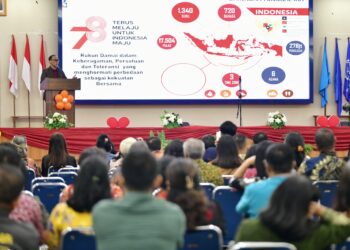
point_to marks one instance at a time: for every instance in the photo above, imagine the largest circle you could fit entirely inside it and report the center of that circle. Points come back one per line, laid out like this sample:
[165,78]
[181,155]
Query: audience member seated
[174,148]
[227,158]
[296,142]
[104,142]
[21,144]
[342,199]
[279,164]
[209,154]
[326,166]
[227,128]
[58,156]
[209,141]
[164,163]
[259,137]
[155,146]
[242,145]
[139,220]
[124,148]
[290,218]
[194,149]
[91,186]
[14,235]
[184,190]
[27,208]
[93,151]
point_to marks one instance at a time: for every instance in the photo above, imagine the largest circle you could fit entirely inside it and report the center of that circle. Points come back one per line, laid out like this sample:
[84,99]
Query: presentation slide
[200,51]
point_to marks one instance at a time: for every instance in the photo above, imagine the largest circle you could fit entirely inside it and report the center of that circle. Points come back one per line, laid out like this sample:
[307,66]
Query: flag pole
[29,108]
[14,112]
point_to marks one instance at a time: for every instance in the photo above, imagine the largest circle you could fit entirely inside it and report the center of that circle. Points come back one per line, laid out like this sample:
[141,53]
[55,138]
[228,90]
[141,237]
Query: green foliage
[161,136]
[56,121]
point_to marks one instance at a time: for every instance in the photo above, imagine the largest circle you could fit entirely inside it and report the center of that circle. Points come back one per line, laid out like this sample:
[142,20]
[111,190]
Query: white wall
[331,19]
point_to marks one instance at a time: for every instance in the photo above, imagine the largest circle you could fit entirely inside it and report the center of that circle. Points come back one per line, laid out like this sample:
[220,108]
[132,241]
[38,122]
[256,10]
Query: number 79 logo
[94,31]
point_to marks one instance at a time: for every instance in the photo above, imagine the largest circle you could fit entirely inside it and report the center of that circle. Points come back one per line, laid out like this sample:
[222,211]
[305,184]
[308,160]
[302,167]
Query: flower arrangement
[276,120]
[171,120]
[57,121]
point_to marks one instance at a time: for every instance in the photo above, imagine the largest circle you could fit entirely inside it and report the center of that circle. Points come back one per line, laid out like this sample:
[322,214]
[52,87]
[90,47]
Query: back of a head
[164,163]
[182,175]
[289,220]
[57,150]
[259,137]
[10,155]
[185,191]
[260,154]
[240,140]
[125,145]
[104,142]
[228,128]
[139,170]
[11,183]
[325,140]
[193,148]
[174,148]
[93,151]
[154,143]
[296,143]
[280,158]
[209,141]
[227,153]
[91,184]
[342,199]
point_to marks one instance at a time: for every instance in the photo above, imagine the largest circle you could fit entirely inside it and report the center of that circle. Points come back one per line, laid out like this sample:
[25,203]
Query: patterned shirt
[323,167]
[210,173]
[61,218]
[28,210]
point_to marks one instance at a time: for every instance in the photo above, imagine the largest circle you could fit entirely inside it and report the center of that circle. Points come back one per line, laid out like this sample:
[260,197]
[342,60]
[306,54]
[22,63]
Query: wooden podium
[52,87]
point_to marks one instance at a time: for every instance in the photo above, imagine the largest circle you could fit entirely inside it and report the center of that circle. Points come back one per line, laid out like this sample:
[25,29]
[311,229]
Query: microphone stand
[239,106]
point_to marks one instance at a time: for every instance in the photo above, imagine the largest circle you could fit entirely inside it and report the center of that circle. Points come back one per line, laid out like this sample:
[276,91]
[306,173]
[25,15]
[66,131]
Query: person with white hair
[194,149]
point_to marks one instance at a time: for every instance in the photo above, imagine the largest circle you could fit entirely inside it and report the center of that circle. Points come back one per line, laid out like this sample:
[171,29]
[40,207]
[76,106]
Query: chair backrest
[68,177]
[29,178]
[228,199]
[203,238]
[76,239]
[342,246]
[68,169]
[48,193]
[328,190]
[208,189]
[47,179]
[263,245]
[227,179]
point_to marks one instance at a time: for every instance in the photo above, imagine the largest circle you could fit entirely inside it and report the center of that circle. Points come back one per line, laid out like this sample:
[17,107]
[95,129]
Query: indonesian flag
[13,73]
[26,74]
[42,63]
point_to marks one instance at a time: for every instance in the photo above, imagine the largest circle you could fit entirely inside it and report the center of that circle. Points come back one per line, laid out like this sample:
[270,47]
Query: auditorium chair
[328,190]
[77,239]
[46,179]
[341,246]
[208,188]
[228,199]
[68,169]
[48,193]
[227,179]
[203,238]
[68,177]
[29,178]
[263,245]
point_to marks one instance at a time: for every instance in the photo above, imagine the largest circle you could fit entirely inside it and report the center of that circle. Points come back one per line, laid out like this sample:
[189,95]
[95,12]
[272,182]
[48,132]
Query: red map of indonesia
[239,49]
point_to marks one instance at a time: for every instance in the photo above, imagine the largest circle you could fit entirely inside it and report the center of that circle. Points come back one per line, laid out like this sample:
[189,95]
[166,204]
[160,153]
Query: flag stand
[29,108]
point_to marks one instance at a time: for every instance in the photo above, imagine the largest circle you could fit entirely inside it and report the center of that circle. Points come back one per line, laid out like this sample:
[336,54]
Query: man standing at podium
[53,71]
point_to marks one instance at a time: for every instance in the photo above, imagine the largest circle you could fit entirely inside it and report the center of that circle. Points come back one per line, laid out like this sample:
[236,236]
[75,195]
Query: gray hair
[194,148]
